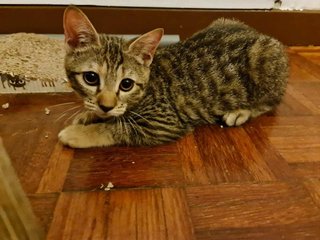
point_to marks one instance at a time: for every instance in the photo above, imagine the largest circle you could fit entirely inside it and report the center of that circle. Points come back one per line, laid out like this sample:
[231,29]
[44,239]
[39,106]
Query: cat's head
[110,74]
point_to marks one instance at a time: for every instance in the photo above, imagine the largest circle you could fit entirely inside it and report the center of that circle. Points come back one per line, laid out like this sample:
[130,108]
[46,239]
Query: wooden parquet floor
[258,181]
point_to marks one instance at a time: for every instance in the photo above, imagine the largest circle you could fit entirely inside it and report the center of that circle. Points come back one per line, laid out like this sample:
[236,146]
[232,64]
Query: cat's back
[220,34]
[225,36]
[227,65]
[227,44]
[222,31]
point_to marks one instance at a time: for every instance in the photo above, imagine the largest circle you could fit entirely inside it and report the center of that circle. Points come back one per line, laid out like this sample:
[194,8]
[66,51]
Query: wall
[300,4]
[290,27]
[207,4]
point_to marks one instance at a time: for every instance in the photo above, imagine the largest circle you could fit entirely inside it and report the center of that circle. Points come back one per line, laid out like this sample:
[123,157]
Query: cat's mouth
[117,111]
[113,113]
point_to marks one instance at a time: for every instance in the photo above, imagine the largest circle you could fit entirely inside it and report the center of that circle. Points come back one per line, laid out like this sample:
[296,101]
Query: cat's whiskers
[64,113]
[70,109]
[70,117]
[132,125]
[122,125]
[119,125]
[138,115]
[60,117]
[125,126]
[137,126]
[62,104]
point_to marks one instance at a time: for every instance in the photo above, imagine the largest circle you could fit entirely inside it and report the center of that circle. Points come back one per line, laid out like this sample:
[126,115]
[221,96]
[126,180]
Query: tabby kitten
[136,95]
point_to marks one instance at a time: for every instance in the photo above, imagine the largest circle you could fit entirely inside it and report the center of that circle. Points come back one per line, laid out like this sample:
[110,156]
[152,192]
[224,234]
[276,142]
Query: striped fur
[227,71]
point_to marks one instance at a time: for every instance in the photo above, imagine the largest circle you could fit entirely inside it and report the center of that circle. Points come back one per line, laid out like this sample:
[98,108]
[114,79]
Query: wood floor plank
[296,232]
[313,185]
[272,157]
[54,176]
[296,138]
[298,74]
[303,63]
[80,216]
[313,107]
[122,220]
[300,149]
[290,106]
[43,207]
[290,126]
[36,158]
[308,94]
[312,54]
[124,167]
[306,170]
[305,154]
[149,214]
[177,216]
[298,49]
[192,164]
[313,57]
[229,159]
[239,206]
[30,135]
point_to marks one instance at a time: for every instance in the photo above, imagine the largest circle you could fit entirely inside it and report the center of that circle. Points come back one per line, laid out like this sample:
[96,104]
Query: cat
[138,94]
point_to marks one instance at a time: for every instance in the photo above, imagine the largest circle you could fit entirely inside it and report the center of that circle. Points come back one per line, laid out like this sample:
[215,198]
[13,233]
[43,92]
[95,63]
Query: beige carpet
[32,63]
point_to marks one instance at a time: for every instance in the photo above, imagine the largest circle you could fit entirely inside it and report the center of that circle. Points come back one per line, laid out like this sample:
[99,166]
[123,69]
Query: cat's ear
[78,30]
[144,47]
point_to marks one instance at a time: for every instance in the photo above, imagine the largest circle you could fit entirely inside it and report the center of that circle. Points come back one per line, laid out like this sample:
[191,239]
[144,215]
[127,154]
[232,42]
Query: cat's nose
[105,108]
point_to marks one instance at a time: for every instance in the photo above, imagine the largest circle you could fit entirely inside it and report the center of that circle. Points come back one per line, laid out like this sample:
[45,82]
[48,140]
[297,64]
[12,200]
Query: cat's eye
[126,84]
[91,78]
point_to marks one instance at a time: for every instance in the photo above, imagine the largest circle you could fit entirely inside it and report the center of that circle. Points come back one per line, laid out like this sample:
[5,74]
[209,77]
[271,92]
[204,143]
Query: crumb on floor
[47,111]
[5,106]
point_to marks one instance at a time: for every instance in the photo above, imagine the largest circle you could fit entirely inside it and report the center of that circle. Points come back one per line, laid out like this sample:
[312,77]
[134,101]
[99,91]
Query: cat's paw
[84,118]
[237,118]
[74,136]
[85,136]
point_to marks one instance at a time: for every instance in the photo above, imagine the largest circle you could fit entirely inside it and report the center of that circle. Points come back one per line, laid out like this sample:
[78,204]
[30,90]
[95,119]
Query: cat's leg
[85,136]
[237,118]
[123,131]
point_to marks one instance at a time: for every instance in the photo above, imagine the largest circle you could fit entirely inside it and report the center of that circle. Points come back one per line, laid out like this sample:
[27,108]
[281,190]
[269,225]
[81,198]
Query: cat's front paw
[236,118]
[73,136]
[85,136]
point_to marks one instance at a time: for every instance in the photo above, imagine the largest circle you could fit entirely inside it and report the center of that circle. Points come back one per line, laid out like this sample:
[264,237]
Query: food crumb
[46,136]
[106,187]
[5,106]
[47,111]
[221,126]
[133,162]
[110,185]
